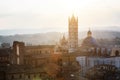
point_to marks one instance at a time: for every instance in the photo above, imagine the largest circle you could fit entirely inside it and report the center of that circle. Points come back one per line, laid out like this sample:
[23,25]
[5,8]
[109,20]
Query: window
[28,76]
[40,75]
[18,60]
[12,77]
[40,52]
[20,76]
[116,53]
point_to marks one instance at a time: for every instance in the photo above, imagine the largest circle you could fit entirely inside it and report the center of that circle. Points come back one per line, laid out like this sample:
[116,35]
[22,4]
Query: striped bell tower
[73,33]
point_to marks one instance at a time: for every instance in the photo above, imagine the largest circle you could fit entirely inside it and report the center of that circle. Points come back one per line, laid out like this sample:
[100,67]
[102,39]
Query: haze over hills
[65,29]
[50,38]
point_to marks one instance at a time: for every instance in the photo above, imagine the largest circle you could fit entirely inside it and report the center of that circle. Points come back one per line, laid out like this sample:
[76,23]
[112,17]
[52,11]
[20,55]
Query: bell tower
[73,33]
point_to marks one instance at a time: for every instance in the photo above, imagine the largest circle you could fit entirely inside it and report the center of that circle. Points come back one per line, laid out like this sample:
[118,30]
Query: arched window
[20,76]
[116,53]
[39,75]
[28,76]
[34,76]
[12,77]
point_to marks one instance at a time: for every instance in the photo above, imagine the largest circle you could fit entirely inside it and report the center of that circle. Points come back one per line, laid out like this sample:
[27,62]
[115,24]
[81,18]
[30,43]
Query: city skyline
[59,40]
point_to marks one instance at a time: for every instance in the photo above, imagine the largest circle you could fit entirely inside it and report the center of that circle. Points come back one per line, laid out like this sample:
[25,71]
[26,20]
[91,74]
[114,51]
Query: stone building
[115,51]
[29,62]
[73,34]
[5,60]
[38,55]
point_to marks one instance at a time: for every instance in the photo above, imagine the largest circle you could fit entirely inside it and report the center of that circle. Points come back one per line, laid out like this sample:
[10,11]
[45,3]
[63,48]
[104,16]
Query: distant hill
[53,37]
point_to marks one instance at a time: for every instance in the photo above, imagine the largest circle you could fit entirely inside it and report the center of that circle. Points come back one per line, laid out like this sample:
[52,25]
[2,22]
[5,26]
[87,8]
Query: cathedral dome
[89,41]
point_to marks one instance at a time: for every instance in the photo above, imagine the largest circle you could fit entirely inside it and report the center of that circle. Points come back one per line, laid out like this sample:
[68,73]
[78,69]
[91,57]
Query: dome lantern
[89,33]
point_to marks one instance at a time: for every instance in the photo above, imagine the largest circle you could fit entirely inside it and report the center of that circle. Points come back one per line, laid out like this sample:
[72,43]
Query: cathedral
[28,62]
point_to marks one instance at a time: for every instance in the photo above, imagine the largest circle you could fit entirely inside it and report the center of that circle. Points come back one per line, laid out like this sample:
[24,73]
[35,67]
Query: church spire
[89,33]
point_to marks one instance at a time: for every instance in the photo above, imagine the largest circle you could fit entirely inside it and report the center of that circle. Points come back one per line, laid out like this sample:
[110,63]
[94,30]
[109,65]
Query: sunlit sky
[52,15]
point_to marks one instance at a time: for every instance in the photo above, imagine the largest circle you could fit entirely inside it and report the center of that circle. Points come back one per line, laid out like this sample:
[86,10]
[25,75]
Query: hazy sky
[50,15]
